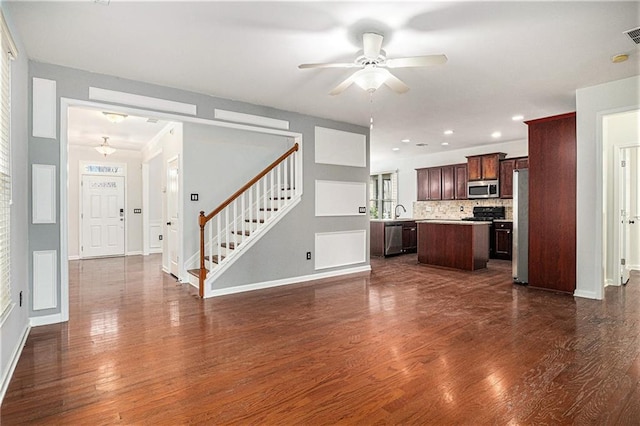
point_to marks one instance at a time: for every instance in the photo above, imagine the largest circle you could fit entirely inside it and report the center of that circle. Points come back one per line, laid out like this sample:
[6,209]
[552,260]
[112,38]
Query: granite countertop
[400,219]
[503,220]
[452,222]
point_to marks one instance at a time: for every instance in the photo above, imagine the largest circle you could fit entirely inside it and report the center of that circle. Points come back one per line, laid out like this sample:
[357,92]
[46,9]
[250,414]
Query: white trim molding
[11,366]
[257,120]
[97,94]
[287,281]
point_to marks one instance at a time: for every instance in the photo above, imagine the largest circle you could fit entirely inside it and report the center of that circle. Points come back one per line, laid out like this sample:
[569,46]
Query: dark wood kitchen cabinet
[423,184]
[552,202]
[429,184]
[442,183]
[460,171]
[506,174]
[409,237]
[448,183]
[435,183]
[484,167]
[503,237]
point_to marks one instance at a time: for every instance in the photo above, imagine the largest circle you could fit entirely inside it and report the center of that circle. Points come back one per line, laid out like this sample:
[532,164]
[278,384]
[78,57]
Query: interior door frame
[617,203]
[81,167]
[180,246]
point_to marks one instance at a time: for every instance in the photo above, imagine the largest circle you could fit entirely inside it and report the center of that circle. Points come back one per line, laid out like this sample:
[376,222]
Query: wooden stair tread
[246,233]
[231,246]
[254,220]
[215,258]
[196,272]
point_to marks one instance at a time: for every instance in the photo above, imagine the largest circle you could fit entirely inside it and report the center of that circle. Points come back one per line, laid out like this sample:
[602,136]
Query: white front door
[102,216]
[173,224]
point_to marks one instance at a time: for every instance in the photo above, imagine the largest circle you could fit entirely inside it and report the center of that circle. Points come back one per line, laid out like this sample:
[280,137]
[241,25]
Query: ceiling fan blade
[329,65]
[416,61]
[372,43]
[396,84]
[345,84]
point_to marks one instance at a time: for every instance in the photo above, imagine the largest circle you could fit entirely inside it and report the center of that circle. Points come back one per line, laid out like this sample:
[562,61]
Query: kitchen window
[383,195]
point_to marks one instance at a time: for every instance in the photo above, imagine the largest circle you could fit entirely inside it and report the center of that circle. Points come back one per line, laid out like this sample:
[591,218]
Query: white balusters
[253,209]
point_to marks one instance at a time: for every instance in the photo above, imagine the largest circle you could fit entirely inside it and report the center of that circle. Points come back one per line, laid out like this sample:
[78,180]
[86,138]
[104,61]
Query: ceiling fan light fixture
[104,148]
[115,117]
[371,78]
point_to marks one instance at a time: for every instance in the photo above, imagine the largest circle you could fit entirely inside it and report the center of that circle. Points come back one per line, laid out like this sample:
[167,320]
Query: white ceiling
[87,127]
[505,58]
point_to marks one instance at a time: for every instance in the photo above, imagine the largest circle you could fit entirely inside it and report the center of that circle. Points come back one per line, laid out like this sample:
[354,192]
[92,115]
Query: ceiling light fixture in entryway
[104,148]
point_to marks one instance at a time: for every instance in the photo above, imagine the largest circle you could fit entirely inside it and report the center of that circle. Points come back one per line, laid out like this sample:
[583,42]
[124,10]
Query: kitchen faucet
[396,210]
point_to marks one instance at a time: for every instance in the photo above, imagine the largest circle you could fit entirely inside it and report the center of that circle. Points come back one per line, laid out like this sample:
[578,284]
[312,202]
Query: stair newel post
[281,191]
[227,226]
[203,272]
[251,190]
[285,165]
[292,176]
[219,234]
[242,221]
[265,194]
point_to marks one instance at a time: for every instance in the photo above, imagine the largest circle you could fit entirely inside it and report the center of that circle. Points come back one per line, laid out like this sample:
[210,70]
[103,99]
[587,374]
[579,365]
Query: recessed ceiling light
[496,135]
[422,144]
[517,117]
[395,149]
[405,140]
[448,132]
[444,143]
[616,59]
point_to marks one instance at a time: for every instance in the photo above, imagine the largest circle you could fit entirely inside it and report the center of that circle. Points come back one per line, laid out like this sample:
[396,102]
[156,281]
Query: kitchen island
[455,244]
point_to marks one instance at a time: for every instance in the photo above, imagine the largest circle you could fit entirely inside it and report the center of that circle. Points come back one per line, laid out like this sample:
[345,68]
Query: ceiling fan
[373,65]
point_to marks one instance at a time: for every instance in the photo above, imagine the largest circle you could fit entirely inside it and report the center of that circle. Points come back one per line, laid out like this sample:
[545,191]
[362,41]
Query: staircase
[235,225]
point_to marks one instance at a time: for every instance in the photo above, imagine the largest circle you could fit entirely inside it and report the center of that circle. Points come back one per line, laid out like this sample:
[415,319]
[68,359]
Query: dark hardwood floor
[407,344]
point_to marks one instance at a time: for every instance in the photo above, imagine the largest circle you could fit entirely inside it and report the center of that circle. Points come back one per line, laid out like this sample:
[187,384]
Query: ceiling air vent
[634,34]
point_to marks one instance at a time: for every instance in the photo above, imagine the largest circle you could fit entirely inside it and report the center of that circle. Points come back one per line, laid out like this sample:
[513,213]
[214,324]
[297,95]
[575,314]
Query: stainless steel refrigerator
[520,259]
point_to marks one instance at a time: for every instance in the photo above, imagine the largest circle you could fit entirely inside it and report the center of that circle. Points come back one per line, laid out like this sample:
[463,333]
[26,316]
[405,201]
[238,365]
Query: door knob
[169,223]
[632,221]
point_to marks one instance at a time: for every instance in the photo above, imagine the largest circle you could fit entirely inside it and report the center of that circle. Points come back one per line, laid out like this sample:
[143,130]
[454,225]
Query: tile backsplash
[450,209]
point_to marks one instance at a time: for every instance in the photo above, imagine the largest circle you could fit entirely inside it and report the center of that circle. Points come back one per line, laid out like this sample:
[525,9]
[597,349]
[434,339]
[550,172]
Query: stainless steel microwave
[483,189]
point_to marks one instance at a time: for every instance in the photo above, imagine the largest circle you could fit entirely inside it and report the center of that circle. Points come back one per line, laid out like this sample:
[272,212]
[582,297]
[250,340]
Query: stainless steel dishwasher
[392,239]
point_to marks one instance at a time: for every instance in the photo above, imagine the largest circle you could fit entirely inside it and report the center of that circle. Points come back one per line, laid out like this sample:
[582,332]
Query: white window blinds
[8,53]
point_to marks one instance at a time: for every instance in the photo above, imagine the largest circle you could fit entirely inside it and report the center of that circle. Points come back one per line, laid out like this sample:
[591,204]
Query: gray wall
[74,84]
[15,326]
[592,103]
[281,253]
[217,162]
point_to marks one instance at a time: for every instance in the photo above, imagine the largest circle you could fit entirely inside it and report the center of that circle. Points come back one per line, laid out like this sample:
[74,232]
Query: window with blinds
[8,53]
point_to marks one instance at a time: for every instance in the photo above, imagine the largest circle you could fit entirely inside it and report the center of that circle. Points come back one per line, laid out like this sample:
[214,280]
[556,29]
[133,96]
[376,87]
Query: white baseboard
[285,281]
[609,282]
[155,251]
[46,320]
[586,294]
[74,257]
[15,356]
[134,253]
[634,267]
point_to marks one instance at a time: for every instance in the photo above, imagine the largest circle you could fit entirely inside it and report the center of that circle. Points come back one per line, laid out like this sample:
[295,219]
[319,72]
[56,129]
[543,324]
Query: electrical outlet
[20,298]
[194,197]
[308,255]
[160,237]
[461,208]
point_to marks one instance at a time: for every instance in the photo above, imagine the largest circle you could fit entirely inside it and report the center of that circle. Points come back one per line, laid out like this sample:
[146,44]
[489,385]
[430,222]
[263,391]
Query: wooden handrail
[203,219]
[207,218]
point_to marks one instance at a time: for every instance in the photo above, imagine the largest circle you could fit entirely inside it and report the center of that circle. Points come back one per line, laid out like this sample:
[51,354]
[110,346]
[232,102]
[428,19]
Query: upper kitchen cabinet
[506,174]
[484,167]
[448,183]
[552,202]
[429,184]
[460,171]
[442,183]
